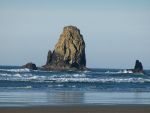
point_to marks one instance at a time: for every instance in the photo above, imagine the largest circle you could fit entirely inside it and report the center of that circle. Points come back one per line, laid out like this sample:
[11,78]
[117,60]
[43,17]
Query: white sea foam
[5,74]
[21,87]
[13,75]
[81,80]
[16,70]
[17,75]
[60,85]
[119,72]
[87,71]
[70,76]
[79,75]
[75,77]
[38,78]
[109,72]
[125,71]
[101,80]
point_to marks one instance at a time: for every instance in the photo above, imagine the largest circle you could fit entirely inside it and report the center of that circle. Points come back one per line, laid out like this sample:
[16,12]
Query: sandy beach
[81,109]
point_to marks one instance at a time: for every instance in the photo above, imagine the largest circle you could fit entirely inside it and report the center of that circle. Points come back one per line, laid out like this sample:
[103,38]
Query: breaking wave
[119,72]
[82,78]
[94,79]
[16,70]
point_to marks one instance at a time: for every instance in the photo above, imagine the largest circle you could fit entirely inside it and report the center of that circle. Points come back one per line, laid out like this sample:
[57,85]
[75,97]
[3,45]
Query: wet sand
[80,109]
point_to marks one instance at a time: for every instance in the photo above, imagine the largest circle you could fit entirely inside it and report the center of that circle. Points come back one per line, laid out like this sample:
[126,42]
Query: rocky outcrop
[138,68]
[31,66]
[69,52]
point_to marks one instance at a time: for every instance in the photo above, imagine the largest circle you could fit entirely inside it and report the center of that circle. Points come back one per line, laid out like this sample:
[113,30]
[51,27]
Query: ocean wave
[71,76]
[110,72]
[102,80]
[15,75]
[119,72]
[37,78]
[34,76]
[125,71]
[16,70]
[82,77]
[19,87]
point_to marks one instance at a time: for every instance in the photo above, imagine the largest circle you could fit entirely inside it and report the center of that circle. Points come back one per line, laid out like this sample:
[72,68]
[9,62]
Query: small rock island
[138,68]
[30,65]
[69,52]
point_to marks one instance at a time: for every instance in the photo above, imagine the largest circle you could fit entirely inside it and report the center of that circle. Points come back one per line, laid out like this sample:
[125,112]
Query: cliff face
[69,52]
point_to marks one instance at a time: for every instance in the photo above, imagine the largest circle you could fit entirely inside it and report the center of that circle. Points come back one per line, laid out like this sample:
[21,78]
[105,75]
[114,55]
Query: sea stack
[69,52]
[138,68]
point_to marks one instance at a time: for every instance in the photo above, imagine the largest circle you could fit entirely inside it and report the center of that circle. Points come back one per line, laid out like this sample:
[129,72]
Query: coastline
[79,109]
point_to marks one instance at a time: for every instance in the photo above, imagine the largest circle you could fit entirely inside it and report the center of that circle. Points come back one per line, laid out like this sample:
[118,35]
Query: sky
[116,32]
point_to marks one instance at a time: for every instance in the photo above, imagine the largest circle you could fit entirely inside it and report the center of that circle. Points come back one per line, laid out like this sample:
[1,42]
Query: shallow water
[23,87]
[57,98]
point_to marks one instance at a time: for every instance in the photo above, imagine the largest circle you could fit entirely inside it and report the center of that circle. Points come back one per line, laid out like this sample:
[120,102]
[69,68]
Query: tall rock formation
[69,52]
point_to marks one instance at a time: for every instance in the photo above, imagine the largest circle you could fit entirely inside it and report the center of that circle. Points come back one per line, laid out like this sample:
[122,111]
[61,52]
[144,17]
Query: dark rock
[31,66]
[138,68]
[69,52]
[49,57]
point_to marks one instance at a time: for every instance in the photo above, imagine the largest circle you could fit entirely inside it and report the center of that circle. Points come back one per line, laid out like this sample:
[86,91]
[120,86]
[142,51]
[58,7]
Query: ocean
[23,87]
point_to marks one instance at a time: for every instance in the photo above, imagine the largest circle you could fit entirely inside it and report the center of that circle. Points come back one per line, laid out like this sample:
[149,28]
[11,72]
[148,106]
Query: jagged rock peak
[69,52]
[138,68]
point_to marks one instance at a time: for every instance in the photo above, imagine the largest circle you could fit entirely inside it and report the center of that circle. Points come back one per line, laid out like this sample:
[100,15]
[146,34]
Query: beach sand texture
[80,109]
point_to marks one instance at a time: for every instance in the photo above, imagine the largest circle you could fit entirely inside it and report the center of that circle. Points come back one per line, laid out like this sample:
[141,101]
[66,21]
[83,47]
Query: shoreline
[79,109]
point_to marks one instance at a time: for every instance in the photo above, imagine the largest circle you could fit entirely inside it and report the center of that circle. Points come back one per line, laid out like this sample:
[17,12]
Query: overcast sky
[116,32]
